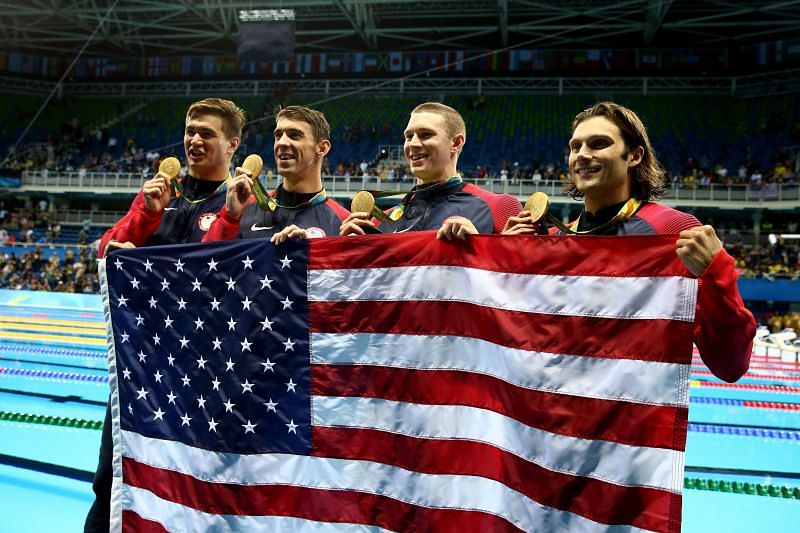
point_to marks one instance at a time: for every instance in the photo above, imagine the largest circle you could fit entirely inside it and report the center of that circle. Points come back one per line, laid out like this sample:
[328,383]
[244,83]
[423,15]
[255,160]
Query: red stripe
[564,256]
[753,375]
[339,506]
[598,337]
[745,386]
[772,405]
[603,502]
[133,523]
[574,416]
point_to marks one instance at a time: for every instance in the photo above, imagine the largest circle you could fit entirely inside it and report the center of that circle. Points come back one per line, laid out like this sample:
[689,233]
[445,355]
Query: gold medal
[253,164]
[363,201]
[538,204]
[170,167]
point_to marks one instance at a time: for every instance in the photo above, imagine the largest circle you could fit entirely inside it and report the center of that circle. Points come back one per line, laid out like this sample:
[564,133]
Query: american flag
[397,382]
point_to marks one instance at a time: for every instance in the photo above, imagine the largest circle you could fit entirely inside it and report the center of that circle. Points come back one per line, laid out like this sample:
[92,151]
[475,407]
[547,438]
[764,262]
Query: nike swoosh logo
[405,230]
[256,227]
[170,209]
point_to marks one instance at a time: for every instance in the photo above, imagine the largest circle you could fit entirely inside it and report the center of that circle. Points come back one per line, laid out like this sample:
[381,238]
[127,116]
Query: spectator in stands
[434,138]
[615,170]
[211,137]
[299,207]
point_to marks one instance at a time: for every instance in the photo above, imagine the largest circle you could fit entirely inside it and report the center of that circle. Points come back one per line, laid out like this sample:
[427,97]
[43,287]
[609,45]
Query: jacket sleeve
[224,228]
[724,328]
[136,226]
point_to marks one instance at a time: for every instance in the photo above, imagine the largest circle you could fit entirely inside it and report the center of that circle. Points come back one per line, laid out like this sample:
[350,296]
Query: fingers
[456,227]
[289,232]
[523,218]
[116,245]
[354,224]
[239,191]
[697,247]
[157,192]
[522,229]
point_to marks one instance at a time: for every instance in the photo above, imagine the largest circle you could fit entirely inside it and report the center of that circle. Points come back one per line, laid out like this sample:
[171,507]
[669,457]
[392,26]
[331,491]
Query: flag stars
[201,363]
[212,265]
[181,304]
[124,336]
[290,386]
[118,263]
[246,303]
[266,282]
[141,394]
[215,384]
[171,398]
[268,365]
[178,266]
[266,324]
[215,304]
[196,285]
[171,360]
[287,303]
[201,402]
[122,301]
[230,283]
[164,284]
[158,414]
[247,386]
[152,301]
[231,324]
[158,375]
[185,419]
[186,380]
[229,365]
[148,266]
[248,263]
[249,428]
[246,345]
[285,262]
[130,409]
[289,344]
[126,374]
[184,342]
[198,324]
[156,339]
[139,319]
[142,356]
[217,343]
[228,406]
[271,405]
[292,427]
[135,283]
[168,322]
[212,426]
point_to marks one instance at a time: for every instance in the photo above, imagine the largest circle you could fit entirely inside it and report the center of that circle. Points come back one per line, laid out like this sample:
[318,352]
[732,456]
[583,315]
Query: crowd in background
[40,270]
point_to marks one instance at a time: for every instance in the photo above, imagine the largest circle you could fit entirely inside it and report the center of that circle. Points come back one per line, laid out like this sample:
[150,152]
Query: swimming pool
[742,457]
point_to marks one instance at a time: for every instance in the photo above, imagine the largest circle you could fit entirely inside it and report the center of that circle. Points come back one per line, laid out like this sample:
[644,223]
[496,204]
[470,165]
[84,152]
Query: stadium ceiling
[136,28]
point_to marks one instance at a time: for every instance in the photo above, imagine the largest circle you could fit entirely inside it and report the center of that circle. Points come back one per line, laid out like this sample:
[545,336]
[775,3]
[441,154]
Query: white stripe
[426,490]
[622,464]
[609,297]
[113,405]
[176,517]
[593,377]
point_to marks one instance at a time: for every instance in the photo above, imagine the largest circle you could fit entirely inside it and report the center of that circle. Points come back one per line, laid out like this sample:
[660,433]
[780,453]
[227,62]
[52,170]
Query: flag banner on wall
[398,382]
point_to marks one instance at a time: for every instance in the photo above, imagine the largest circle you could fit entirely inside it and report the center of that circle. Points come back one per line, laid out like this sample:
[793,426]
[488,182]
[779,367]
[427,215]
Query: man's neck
[217,174]
[594,205]
[305,185]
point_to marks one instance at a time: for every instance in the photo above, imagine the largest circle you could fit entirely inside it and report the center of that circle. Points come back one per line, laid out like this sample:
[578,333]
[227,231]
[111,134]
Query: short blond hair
[453,121]
[233,118]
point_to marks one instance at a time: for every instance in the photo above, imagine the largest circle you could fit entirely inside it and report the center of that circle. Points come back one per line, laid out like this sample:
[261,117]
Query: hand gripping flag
[399,383]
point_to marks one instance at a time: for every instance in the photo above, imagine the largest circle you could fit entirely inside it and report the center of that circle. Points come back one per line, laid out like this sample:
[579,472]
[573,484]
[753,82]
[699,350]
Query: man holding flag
[615,170]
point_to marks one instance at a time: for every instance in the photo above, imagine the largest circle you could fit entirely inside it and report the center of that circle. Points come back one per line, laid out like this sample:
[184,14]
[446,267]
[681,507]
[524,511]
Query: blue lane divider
[717,401]
[49,374]
[51,351]
[745,432]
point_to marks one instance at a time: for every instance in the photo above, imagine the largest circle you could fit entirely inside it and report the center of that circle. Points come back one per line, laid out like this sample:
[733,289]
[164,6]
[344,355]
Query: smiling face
[600,162]
[298,155]
[432,154]
[208,150]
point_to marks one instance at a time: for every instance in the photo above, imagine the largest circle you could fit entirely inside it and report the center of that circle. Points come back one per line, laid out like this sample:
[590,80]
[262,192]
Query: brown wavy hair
[232,116]
[319,124]
[647,178]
